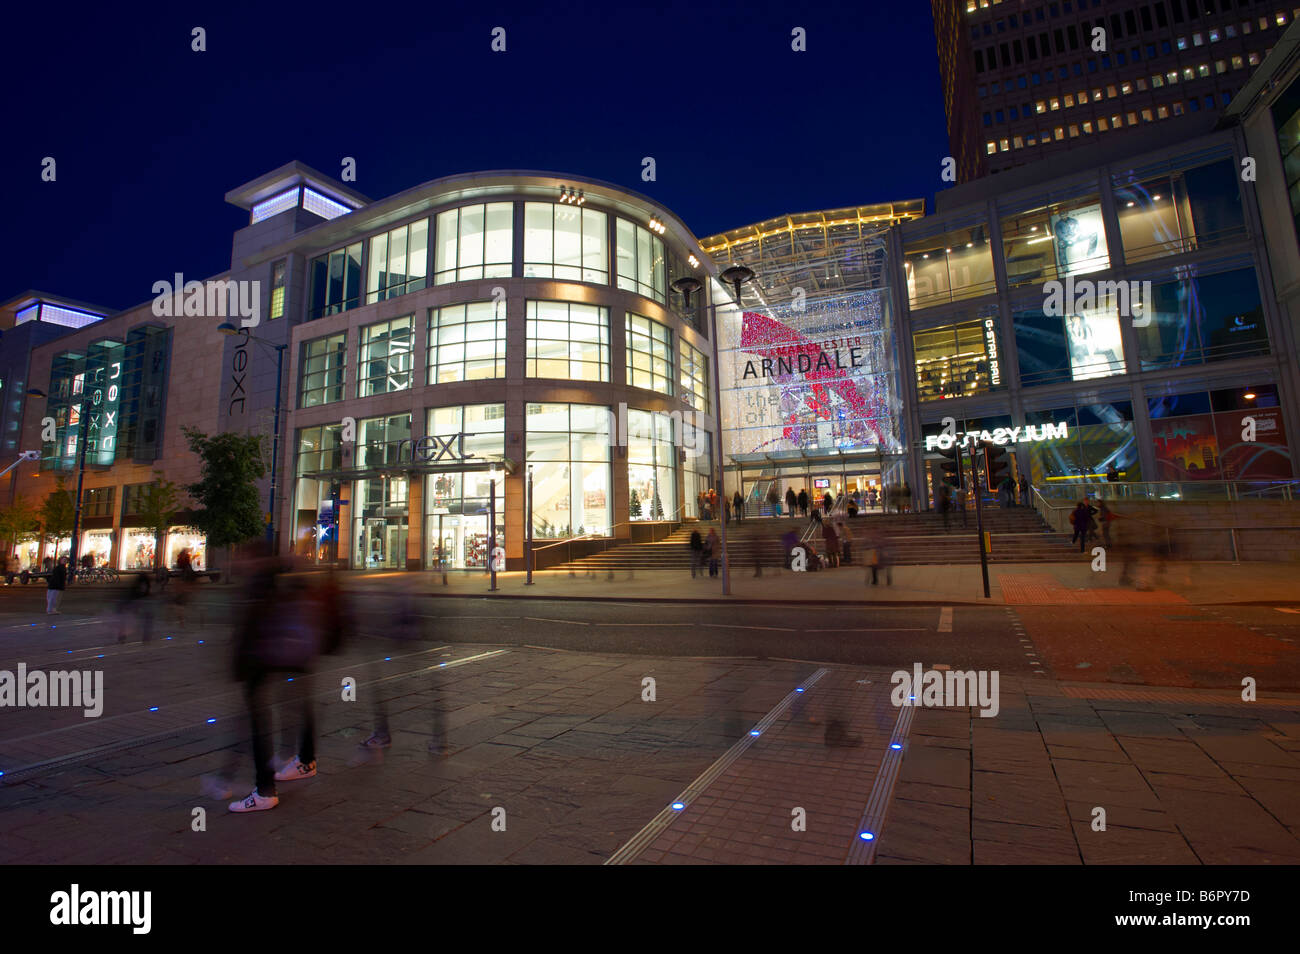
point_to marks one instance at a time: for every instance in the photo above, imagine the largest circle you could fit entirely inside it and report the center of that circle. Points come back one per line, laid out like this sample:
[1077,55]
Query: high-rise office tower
[1027,79]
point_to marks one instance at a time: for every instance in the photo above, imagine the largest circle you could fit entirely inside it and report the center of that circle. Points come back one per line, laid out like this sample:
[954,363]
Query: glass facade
[335,282]
[956,360]
[1202,435]
[695,387]
[641,266]
[649,355]
[324,367]
[949,267]
[1052,241]
[651,466]
[568,340]
[467,342]
[315,531]
[474,241]
[456,502]
[1172,211]
[1200,318]
[385,362]
[568,447]
[565,242]
[398,261]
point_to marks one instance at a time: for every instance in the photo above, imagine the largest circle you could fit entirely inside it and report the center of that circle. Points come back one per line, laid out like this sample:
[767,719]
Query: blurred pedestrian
[791,501]
[135,610]
[828,503]
[774,501]
[876,557]
[55,586]
[281,632]
[1105,516]
[872,497]
[846,542]
[832,541]
[697,552]
[1024,492]
[943,500]
[1081,520]
[803,502]
[713,550]
[738,506]
[1112,473]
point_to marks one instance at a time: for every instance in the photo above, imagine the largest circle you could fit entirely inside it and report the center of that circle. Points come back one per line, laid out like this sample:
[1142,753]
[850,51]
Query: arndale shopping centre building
[440,351]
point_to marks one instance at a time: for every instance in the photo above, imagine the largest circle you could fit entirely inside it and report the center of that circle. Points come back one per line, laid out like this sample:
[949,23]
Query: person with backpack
[697,552]
[1081,520]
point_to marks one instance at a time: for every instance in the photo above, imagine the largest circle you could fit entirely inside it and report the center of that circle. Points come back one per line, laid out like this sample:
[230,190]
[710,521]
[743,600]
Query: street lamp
[82,428]
[226,328]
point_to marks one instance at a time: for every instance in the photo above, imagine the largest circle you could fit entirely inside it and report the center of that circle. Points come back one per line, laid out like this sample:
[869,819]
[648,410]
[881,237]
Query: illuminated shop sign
[991,349]
[1030,433]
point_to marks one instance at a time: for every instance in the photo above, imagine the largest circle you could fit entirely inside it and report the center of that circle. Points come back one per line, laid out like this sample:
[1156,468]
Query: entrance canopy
[473,465]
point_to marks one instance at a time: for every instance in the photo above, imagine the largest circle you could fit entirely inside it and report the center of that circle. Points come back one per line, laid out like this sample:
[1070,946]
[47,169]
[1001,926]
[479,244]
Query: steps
[1018,536]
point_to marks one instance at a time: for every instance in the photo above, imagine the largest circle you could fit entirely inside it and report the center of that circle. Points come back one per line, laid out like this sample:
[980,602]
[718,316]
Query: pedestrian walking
[738,506]
[828,503]
[1024,491]
[697,552]
[803,502]
[1081,520]
[791,501]
[872,497]
[281,632]
[713,504]
[1112,473]
[713,550]
[774,501]
[1105,516]
[943,500]
[846,542]
[832,541]
[55,586]
[876,558]
[135,611]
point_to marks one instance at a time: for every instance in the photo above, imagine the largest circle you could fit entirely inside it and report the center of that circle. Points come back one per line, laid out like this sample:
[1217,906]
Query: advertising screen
[1079,241]
[816,378]
[1093,337]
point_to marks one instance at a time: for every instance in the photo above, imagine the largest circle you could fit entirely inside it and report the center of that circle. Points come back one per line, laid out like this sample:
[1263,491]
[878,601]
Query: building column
[415,522]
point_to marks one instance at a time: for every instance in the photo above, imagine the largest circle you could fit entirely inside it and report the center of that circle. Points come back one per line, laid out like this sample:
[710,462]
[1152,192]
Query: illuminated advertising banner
[1096,349]
[1079,241]
[104,374]
[817,378]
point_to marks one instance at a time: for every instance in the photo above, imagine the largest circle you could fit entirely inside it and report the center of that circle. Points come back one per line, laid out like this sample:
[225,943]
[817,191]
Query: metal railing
[669,527]
[1187,490]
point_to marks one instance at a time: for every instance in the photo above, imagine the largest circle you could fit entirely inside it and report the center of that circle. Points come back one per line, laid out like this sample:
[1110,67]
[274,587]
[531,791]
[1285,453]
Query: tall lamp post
[226,328]
[82,429]
[735,276]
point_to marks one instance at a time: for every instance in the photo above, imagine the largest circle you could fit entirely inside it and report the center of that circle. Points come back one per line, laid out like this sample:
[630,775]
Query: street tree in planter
[159,503]
[229,508]
[57,514]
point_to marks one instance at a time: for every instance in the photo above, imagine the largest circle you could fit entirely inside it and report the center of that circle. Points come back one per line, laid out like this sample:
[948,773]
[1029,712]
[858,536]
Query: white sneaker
[295,770]
[255,803]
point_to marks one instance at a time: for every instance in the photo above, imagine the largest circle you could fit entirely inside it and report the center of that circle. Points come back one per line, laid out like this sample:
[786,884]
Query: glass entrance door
[380,527]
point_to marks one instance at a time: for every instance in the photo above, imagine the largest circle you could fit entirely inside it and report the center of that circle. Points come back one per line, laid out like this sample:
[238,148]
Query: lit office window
[398,261]
[277,289]
[385,363]
[335,282]
[649,355]
[324,366]
[567,340]
[565,242]
[641,266]
[474,241]
[467,342]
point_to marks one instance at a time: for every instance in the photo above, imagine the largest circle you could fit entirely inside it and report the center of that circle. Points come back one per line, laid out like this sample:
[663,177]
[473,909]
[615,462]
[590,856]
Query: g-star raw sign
[1001,435]
[991,349]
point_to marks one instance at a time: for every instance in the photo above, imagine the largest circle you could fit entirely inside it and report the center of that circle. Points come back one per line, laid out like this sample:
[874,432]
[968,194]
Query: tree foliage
[22,518]
[58,512]
[158,505]
[229,507]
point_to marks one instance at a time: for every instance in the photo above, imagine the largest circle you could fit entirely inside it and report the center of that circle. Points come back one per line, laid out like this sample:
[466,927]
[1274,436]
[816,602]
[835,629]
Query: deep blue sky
[149,136]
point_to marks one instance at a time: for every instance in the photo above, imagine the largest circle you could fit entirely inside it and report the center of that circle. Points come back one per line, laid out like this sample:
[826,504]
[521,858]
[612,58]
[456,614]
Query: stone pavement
[568,754]
[1010,583]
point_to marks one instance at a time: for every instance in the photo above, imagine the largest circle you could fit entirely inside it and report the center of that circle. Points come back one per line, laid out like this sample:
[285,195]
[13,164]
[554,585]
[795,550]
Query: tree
[229,508]
[634,508]
[656,508]
[17,521]
[159,503]
[58,513]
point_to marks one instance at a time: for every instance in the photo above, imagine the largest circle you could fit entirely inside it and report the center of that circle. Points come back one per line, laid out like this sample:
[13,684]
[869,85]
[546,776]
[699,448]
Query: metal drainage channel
[642,839]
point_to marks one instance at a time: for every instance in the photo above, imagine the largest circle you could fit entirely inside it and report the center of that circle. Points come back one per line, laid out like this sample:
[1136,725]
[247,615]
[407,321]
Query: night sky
[148,135]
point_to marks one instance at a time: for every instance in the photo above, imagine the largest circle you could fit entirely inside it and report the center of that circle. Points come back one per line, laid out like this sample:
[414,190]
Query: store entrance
[460,541]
